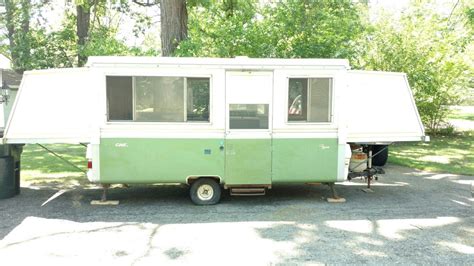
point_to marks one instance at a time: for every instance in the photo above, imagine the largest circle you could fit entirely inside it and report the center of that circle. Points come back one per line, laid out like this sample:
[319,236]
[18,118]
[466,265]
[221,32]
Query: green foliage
[219,30]
[17,23]
[285,29]
[470,16]
[102,41]
[42,47]
[50,49]
[431,49]
[316,29]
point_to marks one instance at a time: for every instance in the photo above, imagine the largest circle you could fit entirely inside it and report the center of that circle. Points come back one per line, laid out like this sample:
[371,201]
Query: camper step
[247,191]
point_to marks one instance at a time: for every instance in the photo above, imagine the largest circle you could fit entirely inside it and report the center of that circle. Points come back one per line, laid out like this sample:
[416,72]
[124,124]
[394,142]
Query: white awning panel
[379,107]
[54,106]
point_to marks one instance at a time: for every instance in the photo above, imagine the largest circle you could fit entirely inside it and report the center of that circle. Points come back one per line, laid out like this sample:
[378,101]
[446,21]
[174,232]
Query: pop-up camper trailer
[240,124]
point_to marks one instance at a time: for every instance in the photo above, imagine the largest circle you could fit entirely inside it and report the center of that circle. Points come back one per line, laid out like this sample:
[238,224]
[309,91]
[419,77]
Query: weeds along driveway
[412,217]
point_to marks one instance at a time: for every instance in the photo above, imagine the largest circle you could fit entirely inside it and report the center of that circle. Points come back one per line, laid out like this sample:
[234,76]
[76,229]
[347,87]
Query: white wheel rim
[205,192]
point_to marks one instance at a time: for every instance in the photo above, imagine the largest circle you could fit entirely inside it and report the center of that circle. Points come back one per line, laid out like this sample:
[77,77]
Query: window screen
[309,100]
[248,116]
[158,99]
[119,98]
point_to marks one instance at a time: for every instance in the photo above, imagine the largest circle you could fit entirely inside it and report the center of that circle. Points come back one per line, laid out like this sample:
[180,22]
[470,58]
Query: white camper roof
[228,63]
[68,105]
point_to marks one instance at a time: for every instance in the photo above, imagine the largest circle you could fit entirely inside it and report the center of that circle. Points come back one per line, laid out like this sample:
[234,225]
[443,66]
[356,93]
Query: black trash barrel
[7,177]
[17,177]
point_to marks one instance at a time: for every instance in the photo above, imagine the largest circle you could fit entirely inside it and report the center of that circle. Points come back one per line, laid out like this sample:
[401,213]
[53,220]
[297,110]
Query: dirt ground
[411,217]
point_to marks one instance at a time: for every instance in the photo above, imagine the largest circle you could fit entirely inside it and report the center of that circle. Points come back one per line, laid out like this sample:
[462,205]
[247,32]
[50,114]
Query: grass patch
[461,116]
[448,154]
[40,168]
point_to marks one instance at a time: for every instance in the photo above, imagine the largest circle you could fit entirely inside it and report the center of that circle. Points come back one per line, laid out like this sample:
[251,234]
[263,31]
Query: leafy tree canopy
[288,29]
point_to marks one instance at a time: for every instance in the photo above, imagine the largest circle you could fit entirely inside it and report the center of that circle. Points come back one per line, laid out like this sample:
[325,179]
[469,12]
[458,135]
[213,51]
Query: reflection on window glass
[309,100]
[297,99]
[248,116]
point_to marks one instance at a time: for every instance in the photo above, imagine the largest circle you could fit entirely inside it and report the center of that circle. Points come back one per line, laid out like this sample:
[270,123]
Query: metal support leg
[103,200]
[335,198]
[105,187]
[333,191]
[369,166]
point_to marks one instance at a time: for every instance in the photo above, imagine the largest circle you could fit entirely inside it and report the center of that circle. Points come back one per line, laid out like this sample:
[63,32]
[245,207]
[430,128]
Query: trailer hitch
[375,171]
[370,173]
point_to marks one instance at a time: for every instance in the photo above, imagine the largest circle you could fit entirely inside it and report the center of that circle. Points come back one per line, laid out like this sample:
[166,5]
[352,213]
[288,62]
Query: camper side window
[158,99]
[119,98]
[309,100]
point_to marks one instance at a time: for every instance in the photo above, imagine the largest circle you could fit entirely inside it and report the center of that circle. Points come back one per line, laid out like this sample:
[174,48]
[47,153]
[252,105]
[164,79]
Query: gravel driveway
[411,218]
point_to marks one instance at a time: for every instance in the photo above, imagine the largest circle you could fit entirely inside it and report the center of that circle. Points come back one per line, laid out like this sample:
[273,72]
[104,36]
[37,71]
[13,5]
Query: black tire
[205,191]
[381,158]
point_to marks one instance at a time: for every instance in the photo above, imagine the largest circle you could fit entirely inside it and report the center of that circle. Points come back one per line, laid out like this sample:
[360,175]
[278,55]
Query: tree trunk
[174,25]
[83,20]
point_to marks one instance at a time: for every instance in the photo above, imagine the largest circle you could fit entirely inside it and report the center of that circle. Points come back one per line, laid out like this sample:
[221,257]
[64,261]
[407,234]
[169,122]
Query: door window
[248,116]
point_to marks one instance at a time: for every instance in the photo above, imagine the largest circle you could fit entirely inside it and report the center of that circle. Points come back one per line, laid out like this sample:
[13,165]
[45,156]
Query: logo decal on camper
[121,145]
[324,147]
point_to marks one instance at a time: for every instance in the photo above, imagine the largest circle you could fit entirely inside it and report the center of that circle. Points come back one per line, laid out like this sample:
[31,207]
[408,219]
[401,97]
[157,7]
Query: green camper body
[238,162]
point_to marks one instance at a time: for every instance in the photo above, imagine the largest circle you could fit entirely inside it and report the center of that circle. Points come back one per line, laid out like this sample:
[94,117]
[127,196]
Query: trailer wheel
[205,191]
[381,158]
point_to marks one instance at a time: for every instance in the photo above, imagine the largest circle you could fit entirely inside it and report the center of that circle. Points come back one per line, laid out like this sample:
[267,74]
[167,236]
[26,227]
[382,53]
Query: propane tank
[358,161]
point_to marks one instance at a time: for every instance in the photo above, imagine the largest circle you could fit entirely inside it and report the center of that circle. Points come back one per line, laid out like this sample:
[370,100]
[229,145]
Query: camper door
[248,128]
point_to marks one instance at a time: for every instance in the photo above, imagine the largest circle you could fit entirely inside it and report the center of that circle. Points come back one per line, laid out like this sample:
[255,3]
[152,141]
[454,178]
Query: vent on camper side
[247,191]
